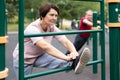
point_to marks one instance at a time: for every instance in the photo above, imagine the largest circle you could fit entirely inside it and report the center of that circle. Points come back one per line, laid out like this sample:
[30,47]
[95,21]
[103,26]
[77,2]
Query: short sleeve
[33,30]
[59,37]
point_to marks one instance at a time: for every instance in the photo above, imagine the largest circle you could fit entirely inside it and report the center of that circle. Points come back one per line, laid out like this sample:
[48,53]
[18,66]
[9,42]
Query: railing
[21,44]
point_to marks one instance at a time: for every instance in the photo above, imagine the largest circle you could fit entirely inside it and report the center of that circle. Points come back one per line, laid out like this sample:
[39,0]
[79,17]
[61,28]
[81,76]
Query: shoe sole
[85,57]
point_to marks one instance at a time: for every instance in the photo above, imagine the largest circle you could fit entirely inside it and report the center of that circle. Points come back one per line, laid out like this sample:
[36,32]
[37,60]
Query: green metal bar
[2,33]
[95,48]
[115,12]
[95,62]
[119,47]
[100,37]
[88,42]
[114,42]
[21,39]
[103,71]
[47,72]
[99,16]
[58,70]
[62,33]
[114,55]
[6,21]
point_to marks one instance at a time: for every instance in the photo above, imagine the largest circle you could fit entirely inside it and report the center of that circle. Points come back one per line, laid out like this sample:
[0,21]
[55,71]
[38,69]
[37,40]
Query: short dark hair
[44,9]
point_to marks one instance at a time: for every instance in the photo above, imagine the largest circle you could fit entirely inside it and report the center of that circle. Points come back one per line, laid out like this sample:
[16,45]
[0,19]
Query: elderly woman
[38,51]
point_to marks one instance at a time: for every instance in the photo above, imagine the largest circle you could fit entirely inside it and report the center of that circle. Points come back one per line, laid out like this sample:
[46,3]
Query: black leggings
[78,42]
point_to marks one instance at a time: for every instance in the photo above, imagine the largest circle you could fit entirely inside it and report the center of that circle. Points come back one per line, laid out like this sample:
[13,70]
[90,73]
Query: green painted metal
[2,34]
[114,42]
[119,47]
[58,70]
[113,11]
[61,69]
[62,33]
[47,72]
[6,22]
[21,45]
[95,41]
[103,71]
[114,55]
[21,39]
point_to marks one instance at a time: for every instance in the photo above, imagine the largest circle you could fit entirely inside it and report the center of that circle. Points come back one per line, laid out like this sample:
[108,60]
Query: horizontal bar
[4,73]
[47,72]
[94,62]
[91,0]
[62,33]
[58,70]
[3,39]
[113,1]
[114,24]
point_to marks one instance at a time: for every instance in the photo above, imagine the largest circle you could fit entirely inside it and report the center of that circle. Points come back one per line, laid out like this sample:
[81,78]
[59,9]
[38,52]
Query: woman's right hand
[69,58]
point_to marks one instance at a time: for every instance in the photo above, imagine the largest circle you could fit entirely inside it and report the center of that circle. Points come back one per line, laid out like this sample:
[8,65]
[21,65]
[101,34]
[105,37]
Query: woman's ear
[41,18]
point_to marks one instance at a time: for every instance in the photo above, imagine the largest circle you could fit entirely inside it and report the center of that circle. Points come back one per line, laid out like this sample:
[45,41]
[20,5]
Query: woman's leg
[48,61]
[27,68]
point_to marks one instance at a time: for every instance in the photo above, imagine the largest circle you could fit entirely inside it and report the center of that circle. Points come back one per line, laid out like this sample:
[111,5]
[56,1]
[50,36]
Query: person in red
[85,24]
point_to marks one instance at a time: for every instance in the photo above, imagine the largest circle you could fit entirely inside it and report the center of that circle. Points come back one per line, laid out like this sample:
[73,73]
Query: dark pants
[78,42]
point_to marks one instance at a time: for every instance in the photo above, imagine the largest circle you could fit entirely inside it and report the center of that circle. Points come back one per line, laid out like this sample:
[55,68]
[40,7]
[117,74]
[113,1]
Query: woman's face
[51,17]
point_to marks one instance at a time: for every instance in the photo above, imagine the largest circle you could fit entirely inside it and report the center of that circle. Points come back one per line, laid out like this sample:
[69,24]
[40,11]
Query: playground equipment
[3,41]
[113,26]
[21,46]
[114,38]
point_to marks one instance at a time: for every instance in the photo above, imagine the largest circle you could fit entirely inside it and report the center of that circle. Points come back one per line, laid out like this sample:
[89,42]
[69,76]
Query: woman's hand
[73,55]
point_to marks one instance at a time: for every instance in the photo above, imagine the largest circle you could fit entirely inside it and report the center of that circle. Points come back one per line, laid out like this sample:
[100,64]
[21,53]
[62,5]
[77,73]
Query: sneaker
[80,62]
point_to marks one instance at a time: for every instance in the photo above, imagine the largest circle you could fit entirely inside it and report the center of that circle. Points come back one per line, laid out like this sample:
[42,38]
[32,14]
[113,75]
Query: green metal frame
[21,39]
[95,43]
[2,33]
[114,41]
[21,45]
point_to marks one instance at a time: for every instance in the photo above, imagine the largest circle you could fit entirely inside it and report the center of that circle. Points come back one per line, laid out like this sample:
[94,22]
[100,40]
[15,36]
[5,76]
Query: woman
[38,51]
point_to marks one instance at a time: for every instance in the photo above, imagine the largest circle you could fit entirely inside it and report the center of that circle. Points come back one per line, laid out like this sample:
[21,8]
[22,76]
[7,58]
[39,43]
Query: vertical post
[102,34]
[114,39]
[95,48]
[6,20]
[3,40]
[21,39]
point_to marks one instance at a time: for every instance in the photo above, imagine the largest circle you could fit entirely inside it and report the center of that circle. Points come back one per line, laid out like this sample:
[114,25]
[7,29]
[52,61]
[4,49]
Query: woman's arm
[69,45]
[52,50]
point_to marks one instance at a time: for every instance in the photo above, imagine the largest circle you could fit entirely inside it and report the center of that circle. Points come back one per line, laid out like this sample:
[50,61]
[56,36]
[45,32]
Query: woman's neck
[43,26]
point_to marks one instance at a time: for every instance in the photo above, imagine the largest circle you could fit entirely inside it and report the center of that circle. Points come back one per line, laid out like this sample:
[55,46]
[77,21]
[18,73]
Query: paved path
[86,75]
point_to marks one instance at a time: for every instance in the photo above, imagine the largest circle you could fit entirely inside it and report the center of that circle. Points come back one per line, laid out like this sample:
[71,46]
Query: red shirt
[84,26]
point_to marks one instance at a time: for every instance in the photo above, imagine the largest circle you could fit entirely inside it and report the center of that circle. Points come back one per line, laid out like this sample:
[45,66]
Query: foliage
[69,9]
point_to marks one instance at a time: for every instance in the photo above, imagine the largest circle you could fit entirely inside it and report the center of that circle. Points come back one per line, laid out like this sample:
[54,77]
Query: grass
[13,27]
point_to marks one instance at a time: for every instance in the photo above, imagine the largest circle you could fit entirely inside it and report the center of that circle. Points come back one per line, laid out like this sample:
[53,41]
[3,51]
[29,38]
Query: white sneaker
[84,58]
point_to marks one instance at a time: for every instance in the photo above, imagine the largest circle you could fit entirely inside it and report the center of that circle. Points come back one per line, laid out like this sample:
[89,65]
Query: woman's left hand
[73,55]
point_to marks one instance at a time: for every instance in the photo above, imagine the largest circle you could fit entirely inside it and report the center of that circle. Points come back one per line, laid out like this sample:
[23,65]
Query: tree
[69,9]
[12,9]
